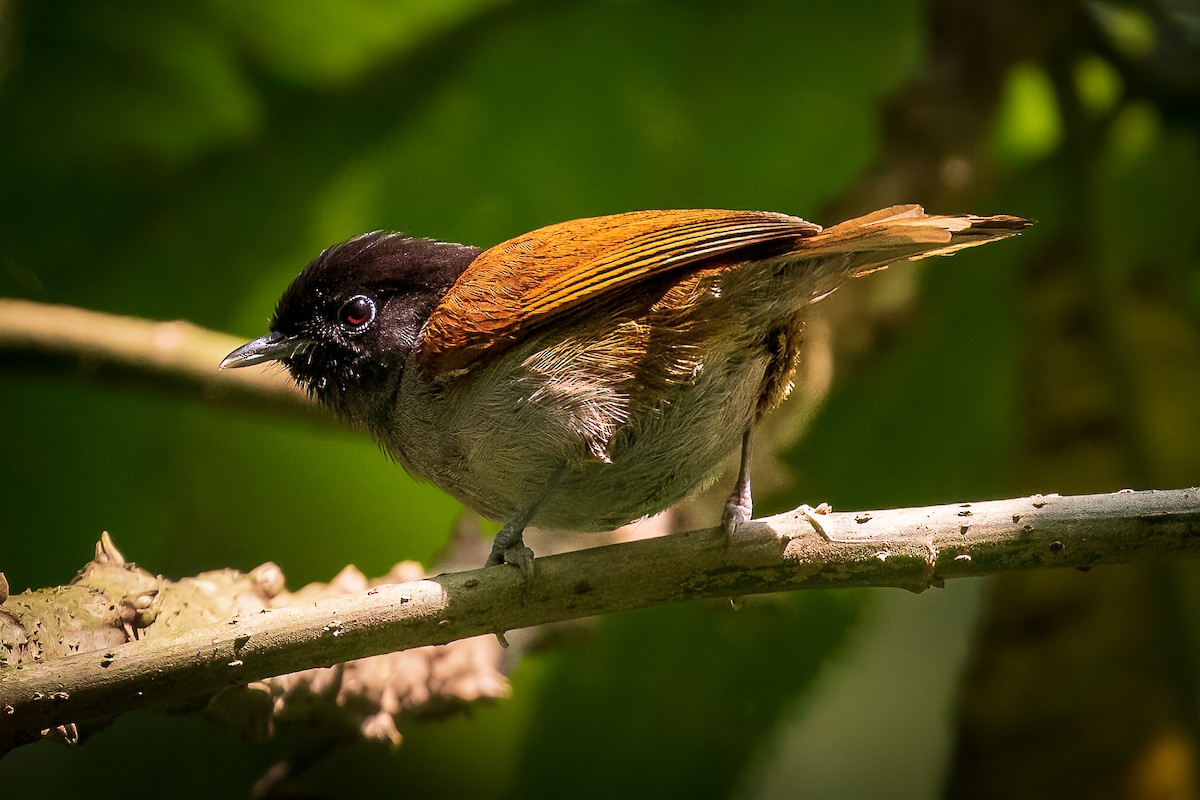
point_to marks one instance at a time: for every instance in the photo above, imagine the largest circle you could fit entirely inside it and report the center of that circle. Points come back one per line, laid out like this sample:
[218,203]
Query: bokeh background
[186,159]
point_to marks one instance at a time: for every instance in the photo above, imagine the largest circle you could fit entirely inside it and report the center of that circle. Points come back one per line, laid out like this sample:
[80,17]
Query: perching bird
[588,373]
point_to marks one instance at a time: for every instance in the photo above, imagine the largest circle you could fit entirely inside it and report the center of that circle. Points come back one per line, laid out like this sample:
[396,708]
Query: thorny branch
[912,548]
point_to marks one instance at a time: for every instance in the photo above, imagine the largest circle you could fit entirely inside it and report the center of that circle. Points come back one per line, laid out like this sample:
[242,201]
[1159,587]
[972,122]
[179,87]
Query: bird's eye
[357,313]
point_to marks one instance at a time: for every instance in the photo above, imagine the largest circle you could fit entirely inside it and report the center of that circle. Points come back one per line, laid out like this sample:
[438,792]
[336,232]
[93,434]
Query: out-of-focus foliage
[186,159]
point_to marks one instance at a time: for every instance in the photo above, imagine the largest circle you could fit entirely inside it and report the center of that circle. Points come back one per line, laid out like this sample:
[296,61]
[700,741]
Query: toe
[522,558]
[735,514]
[519,556]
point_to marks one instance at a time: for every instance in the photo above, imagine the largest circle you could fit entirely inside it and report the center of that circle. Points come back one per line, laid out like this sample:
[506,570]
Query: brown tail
[906,233]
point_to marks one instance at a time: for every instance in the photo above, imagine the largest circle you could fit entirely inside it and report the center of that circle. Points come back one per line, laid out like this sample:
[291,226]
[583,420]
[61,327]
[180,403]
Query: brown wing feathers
[660,251]
[520,284]
[517,285]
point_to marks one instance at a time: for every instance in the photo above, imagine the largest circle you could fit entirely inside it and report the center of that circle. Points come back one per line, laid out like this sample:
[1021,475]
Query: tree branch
[176,355]
[112,601]
[911,548]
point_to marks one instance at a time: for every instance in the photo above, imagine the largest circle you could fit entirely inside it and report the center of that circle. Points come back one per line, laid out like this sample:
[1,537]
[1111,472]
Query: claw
[518,556]
[735,514]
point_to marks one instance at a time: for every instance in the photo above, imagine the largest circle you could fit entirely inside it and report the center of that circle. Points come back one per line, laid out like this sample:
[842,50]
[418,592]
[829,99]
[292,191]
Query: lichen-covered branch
[112,601]
[912,548]
[177,355]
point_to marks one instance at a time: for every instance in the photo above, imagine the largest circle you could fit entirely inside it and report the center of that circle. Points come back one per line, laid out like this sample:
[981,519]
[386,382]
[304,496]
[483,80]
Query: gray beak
[273,347]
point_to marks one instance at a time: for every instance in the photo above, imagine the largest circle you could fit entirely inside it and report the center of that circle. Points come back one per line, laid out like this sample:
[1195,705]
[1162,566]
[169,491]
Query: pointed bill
[273,347]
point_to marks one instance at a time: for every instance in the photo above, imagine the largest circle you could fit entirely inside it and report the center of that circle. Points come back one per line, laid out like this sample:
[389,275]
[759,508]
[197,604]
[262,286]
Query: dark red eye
[357,313]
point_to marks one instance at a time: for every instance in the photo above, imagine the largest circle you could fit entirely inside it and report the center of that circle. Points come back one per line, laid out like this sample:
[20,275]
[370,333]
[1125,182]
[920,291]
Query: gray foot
[516,554]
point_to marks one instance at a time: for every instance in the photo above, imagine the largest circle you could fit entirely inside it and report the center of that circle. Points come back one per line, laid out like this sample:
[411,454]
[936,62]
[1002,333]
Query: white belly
[498,451]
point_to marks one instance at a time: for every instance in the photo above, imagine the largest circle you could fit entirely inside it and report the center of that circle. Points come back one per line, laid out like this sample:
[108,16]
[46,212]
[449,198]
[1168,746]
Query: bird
[588,373]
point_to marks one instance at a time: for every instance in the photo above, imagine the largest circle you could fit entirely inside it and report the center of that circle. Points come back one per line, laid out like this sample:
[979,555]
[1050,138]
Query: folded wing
[519,285]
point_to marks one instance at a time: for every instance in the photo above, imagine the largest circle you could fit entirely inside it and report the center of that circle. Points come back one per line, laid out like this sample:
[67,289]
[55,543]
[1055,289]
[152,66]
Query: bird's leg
[509,545]
[740,505]
[739,508]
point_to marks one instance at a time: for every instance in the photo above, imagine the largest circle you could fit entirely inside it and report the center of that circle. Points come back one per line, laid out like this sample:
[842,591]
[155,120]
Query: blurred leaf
[1097,84]
[1131,29]
[1028,126]
[1134,133]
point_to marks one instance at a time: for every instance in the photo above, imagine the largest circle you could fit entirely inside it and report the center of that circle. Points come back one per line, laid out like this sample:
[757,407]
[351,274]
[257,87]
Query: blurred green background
[185,160]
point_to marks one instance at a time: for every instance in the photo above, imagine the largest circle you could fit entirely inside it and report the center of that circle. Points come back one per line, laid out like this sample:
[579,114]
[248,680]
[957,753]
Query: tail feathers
[906,233]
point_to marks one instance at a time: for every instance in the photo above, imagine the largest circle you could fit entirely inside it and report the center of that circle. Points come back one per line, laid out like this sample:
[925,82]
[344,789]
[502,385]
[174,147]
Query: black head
[346,325]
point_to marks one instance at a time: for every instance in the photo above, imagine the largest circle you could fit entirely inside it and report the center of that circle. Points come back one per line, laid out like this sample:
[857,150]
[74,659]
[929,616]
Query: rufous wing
[524,283]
